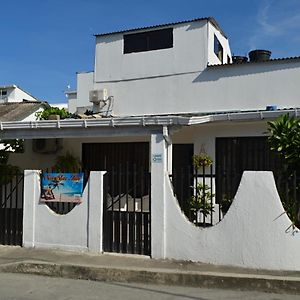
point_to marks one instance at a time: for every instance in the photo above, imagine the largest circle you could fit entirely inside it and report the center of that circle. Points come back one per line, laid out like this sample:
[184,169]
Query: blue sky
[44,43]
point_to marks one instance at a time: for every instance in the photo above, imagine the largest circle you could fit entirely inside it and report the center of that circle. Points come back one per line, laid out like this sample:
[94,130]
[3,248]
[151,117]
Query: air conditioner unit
[46,146]
[96,96]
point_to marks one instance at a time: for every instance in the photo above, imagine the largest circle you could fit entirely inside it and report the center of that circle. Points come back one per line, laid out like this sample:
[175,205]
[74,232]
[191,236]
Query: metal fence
[11,207]
[197,193]
[127,207]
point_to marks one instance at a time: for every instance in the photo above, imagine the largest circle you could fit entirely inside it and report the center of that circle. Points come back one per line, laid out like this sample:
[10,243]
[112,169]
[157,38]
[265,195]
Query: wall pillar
[31,198]
[159,162]
[95,211]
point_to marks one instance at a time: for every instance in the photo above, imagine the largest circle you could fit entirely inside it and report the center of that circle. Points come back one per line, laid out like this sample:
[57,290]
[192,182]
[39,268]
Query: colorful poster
[62,187]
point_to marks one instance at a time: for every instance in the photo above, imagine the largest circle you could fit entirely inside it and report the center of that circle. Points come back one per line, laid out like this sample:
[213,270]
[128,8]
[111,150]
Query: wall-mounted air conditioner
[46,146]
[96,96]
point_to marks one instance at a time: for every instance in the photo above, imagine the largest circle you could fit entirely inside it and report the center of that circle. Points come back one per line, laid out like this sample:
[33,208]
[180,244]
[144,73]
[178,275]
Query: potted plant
[67,163]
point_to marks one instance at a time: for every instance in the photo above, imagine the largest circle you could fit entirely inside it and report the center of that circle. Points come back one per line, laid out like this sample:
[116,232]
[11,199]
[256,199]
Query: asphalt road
[20,286]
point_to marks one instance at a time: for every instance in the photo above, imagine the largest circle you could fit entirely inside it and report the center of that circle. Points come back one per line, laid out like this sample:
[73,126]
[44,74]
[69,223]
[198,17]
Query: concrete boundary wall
[80,229]
[254,233]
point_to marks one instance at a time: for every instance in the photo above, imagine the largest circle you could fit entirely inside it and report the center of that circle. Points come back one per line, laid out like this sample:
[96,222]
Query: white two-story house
[178,79]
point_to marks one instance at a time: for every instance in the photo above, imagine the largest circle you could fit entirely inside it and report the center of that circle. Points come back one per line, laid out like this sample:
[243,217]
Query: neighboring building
[21,111]
[18,105]
[13,93]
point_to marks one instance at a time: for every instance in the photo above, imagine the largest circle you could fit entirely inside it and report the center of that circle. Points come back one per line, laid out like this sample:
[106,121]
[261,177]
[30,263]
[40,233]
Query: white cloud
[276,20]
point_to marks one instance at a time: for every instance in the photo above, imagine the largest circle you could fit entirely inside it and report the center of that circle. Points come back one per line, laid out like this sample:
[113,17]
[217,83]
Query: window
[218,49]
[148,41]
[3,94]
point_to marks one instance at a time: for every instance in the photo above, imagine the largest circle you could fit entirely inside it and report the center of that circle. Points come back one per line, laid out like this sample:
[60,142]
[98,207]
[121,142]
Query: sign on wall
[62,187]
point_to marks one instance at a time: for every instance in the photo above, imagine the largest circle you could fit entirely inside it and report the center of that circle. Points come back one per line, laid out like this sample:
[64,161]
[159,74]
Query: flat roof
[137,125]
[208,19]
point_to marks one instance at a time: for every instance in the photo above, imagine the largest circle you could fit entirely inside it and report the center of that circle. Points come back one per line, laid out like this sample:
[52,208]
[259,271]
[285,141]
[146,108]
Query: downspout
[166,135]
[168,141]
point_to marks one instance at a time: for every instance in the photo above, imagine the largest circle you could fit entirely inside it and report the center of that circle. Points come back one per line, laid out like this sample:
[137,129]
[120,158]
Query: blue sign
[62,187]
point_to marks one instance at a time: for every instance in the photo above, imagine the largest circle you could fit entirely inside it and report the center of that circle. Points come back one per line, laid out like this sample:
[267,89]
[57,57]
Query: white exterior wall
[72,102]
[80,229]
[15,94]
[240,87]
[263,237]
[20,95]
[212,58]
[32,117]
[84,85]
[189,54]
[177,80]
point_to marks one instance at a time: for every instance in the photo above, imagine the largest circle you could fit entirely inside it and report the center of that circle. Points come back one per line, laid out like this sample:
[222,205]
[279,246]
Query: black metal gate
[127,200]
[237,154]
[11,208]
[126,215]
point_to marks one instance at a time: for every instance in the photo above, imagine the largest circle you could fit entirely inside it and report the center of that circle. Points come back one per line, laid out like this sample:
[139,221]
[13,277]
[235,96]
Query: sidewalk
[133,268]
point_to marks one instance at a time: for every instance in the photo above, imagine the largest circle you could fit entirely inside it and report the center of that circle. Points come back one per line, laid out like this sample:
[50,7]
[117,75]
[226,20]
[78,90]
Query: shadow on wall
[218,72]
[110,39]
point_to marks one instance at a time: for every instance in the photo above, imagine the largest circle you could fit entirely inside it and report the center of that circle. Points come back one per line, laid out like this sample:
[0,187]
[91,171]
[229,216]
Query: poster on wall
[62,187]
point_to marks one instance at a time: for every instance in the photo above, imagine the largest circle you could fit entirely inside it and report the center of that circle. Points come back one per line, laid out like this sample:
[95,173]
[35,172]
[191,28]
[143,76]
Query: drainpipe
[168,141]
[166,135]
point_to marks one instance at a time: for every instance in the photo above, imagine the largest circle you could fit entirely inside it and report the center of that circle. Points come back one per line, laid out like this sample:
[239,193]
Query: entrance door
[126,213]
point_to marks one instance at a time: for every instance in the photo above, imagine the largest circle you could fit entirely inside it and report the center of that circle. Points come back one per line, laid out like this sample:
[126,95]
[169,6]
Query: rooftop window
[148,41]
[218,49]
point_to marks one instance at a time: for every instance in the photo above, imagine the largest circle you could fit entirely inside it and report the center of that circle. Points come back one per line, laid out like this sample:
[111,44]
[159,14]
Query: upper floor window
[148,41]
[218,49]
[3,94]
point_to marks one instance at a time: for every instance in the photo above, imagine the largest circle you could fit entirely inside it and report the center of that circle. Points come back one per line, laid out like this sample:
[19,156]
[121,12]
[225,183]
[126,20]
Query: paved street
[20,286]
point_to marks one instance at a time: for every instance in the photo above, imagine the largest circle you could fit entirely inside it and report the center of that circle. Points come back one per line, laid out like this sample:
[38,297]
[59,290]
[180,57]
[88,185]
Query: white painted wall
[15,94]
[189,54]
[177,80]
[240,87]
[262,235]
[212,58]
[80,229]
[84,85]
[21,95]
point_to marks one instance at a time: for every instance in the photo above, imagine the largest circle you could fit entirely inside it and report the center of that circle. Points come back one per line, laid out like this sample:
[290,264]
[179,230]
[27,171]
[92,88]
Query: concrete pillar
[31,198]
[95,211]
[159,162]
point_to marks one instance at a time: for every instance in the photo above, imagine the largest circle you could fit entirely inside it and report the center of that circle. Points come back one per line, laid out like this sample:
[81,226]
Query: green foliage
[285,138]
[202,160]
[67,163]
[10,146]
[44,115]
[201,201]
[225,203]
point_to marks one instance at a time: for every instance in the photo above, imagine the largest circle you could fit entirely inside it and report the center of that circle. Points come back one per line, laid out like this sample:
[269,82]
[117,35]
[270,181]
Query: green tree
[285,140]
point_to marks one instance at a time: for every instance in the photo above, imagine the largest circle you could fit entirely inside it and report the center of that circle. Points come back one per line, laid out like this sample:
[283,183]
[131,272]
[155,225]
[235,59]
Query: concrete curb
[263,283]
